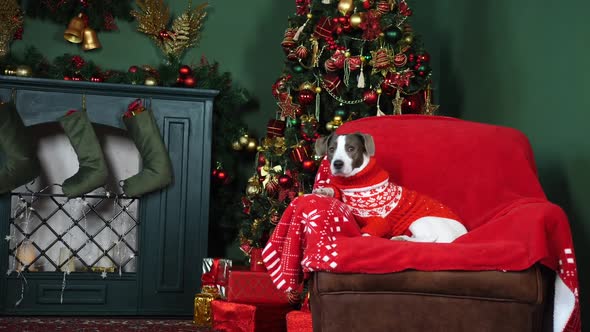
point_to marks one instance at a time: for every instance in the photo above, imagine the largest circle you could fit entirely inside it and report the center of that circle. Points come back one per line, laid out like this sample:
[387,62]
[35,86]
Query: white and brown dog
[381,208]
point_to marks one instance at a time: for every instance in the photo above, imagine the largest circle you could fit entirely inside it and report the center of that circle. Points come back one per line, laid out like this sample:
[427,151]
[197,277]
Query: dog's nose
[338,164]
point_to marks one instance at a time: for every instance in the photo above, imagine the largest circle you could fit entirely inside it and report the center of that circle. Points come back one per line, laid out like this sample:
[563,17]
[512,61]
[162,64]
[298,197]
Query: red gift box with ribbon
[239,317]
[215,275]
[299,321]
[254,288]
[275,128]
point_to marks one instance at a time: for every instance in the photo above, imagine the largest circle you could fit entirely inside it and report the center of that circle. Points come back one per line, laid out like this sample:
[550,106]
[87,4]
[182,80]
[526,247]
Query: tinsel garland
[101,14]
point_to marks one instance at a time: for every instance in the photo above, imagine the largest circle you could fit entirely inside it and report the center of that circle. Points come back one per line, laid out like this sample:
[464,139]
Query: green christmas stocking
[20,156]
[156,172]
[92,172]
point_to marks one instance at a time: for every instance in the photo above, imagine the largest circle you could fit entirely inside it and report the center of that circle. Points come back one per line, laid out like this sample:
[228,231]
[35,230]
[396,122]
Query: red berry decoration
[285,181]
[67,78]
[185,70]
[370,97]
[367,4]
[222,176]
[412,57]
[180,81]
[306,97]
[309,165]
[77,77]
[164,34]
[189,82]
[96,79]
[133,69]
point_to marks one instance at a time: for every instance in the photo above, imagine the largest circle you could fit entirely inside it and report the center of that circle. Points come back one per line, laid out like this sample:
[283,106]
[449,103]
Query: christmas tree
[345,60]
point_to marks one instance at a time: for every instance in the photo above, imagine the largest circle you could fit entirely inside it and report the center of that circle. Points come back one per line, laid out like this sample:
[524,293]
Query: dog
[381,207]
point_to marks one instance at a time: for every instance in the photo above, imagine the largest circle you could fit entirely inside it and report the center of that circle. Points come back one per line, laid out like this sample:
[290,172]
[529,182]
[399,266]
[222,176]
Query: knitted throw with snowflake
[486,174]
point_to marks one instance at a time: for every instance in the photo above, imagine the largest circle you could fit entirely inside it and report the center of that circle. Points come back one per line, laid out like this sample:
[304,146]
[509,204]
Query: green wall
[519,64]
[523,64]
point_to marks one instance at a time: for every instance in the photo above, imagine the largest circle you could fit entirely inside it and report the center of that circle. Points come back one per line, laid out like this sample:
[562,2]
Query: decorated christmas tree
[345,60]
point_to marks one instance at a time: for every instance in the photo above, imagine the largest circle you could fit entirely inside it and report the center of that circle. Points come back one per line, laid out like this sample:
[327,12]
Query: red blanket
[519,229]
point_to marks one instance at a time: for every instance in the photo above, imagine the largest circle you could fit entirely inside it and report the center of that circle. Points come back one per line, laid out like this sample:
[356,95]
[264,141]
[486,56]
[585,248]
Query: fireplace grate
[50,232]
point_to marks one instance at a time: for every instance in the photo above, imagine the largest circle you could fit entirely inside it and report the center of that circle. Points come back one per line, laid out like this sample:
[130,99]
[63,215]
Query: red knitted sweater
[382,208]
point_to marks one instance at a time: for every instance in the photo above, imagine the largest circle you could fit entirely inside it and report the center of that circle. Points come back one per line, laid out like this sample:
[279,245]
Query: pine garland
[101,14]
[11,20]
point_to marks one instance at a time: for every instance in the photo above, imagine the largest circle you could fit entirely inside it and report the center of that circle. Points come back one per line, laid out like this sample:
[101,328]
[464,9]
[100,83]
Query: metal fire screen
[49,232]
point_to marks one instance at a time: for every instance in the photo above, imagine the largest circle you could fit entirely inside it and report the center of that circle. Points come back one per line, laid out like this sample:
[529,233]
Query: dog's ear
[321,145]
[369,143]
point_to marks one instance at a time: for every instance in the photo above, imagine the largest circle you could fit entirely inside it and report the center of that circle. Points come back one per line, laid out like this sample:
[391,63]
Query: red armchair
[498,277]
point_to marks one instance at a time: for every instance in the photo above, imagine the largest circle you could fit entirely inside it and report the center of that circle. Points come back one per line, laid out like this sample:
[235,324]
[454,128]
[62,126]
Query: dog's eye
[350,149]
[331,150]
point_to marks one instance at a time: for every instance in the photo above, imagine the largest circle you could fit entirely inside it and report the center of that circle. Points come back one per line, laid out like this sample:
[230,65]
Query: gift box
[275,128]
[299,321]
[215,275]
[202,315]
[239,317]
[254,287]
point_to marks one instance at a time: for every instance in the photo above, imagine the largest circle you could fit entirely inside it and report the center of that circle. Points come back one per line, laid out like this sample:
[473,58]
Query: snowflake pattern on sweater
[381,207]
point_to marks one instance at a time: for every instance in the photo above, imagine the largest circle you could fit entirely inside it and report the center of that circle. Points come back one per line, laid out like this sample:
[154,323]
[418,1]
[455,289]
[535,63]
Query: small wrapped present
[238,317]
[254,287]
[299,321]
[300,152]
[215,275]
[275,128]
[202,315]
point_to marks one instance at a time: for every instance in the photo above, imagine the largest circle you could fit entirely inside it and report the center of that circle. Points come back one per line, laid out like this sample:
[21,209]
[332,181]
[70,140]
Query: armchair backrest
[474,168]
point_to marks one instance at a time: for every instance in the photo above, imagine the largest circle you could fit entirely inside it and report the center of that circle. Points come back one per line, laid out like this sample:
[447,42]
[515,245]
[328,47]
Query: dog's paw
[324,192]
[400,238]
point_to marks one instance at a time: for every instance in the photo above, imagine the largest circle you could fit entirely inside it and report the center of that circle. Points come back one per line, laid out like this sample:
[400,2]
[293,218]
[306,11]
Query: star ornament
[8,238]
[397,103]
[103,274]
[288,108]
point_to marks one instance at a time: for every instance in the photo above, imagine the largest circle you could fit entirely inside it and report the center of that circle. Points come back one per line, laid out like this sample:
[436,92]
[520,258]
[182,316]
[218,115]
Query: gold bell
[75,30]
[91,41]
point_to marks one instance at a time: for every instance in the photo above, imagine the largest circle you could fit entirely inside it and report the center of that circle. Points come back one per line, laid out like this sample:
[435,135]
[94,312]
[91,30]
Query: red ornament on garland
[77,61]
[164,34]
[222,176]
[67,78]
[185,70]
[309,165]
[189,82]
[77,77]
[285,181]
[261,160]
[96,79]
[367,4]
[18,35]
[133,69]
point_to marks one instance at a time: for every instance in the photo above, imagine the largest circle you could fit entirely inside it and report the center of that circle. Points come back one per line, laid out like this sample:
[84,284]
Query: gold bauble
[10,71]
[252,145]
[318,90]
[345,6]
[356,20]
[236,146]
[243,140]
[330,126]
[253,189]
[150,81]
[337,120]
[307,86]
[347,54]
[408,38]
[24,71]
[379,91]
[309,16]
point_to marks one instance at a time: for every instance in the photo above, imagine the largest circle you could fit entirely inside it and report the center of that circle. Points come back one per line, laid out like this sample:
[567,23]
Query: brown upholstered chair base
[433,301]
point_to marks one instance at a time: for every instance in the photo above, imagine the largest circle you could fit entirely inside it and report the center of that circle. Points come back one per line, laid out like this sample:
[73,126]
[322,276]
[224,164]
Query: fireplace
[105,253]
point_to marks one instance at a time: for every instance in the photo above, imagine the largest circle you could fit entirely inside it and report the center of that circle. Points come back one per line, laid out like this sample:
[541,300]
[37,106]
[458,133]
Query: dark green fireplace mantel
[173,222]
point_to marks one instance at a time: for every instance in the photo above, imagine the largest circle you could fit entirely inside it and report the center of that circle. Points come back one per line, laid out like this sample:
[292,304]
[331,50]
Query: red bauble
[305,97]
[413,104]
[308,165]
[285,181]
[412,57]
[164,34]
[189,82]
[222,175]
[367,4]
[424,57]
[261,160]
[133,69]
[77,77]
[180,81]
[370,97]
[388,84]
[185,70]
[67,78]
